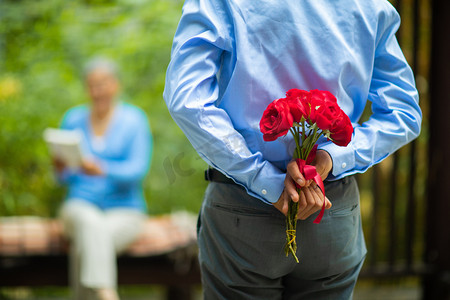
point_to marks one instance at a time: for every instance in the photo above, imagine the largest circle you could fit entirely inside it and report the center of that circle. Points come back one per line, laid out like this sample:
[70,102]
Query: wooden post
[437,252]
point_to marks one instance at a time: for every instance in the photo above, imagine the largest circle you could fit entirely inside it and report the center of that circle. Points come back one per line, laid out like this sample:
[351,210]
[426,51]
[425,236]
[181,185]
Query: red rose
[318,99]
[342,130]
[323,96]
[294,93]
[315,102]
[327,114]
[331,117]
[276,120]
[298,101]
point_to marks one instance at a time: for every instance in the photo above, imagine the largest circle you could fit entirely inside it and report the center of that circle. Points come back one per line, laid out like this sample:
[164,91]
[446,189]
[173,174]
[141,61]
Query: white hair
[101,63]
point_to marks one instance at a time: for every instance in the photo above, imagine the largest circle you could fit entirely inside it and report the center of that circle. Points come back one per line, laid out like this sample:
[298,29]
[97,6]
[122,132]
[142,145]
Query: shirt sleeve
[396,115]
[192,91]
[135,165]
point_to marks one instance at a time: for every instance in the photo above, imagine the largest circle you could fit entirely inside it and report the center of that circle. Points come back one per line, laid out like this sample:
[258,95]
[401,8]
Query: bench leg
[179,293]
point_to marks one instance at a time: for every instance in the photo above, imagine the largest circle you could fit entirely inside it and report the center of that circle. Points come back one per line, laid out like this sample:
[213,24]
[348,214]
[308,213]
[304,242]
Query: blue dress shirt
[123,152]
[231,58]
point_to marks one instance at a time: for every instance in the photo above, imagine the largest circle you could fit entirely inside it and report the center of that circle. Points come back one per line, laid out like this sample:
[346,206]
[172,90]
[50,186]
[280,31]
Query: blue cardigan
[124,155]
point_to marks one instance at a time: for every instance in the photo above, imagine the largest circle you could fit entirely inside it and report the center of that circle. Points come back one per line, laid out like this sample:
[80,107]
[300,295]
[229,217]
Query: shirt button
[264,192]
[343,165]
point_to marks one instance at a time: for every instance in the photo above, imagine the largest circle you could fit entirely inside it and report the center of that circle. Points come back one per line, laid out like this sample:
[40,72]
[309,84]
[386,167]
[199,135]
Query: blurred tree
[43,45]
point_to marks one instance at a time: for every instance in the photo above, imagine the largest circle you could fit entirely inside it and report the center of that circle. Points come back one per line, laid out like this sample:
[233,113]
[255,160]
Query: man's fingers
[319,192]
[302,204]
[283,203]
[311,201]
[286,204]
[290,188]
[328,203]
[294,173]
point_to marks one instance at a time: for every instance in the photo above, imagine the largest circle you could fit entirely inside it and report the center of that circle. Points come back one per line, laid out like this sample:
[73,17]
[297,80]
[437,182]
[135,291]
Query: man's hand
[91,168]
[323,163]
[310,201]
[311,197]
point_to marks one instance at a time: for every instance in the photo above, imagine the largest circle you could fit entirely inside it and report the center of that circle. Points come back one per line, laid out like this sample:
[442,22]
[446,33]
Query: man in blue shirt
[230,59]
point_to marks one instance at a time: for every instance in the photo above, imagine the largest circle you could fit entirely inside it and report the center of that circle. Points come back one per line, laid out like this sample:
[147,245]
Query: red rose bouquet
[307,115]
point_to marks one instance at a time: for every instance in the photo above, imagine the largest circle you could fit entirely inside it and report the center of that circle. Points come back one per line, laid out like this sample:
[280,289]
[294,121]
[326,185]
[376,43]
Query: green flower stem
[312,143]
[303,130]
[295,133]
[301,151]
[291,229]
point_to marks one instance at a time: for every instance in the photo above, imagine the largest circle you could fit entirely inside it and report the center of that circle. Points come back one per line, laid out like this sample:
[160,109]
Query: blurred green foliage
[43,46]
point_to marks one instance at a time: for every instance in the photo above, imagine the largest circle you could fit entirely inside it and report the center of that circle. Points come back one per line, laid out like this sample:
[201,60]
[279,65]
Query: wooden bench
[33,253]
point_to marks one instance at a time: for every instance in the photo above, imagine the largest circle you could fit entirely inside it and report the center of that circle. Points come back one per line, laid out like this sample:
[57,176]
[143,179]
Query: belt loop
[207,175]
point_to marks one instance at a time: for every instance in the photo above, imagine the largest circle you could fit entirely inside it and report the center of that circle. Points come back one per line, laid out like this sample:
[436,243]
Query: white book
[65,145]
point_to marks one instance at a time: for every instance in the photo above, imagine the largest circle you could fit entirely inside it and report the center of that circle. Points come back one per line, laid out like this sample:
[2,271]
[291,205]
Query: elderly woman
[105,208]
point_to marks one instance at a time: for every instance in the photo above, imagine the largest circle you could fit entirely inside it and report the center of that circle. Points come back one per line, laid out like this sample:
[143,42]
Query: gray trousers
[241,242]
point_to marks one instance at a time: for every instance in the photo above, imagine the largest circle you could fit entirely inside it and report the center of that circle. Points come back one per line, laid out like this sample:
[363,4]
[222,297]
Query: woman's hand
[58,164]
[91,168]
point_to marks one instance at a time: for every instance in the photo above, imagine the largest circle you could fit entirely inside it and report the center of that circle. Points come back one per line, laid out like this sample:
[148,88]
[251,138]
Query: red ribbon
[310,172]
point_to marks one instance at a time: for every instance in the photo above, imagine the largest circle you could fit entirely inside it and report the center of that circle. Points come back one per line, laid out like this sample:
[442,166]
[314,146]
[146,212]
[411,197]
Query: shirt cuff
[343,157]
[268,184]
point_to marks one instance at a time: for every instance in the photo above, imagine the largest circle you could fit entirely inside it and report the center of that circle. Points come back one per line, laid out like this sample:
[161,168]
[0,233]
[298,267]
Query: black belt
[214,175]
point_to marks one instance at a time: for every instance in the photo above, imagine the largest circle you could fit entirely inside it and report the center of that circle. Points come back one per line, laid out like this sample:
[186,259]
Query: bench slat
[24,236]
